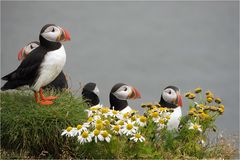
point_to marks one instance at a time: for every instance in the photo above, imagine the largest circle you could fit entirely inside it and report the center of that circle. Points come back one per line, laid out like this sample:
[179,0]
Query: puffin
[43,65]
[90,94]
[60,83]
[119,95]
[171,98]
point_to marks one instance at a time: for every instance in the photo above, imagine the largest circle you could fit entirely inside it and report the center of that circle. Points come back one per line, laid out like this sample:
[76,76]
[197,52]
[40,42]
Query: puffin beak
[135,94]
[20,54]
[179,99]
[64,36]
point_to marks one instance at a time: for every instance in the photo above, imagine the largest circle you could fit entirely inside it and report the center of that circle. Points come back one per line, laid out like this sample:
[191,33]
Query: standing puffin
[119,95]
[90,93]
[43,65]
[59,83]
[171,98]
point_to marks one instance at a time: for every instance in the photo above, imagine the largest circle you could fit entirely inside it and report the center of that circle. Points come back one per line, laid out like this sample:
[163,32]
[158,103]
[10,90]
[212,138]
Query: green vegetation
[28,127]
[32,131]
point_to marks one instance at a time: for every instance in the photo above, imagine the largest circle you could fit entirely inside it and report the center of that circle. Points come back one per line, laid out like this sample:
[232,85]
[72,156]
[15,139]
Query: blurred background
[149,45]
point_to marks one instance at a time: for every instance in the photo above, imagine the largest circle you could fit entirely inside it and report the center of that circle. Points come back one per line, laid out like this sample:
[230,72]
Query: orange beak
[179,98]
[20,54]
[135,94]
[66,35]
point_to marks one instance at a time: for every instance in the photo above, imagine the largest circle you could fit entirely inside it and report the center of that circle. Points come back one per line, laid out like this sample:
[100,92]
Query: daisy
[116,129]
[68,132]
[137,137]
[105,111]
[105,136]
[155,116]
[161,123]
[114,113]
[142,121]
[84,137]
[96,135]
[80,128]
[129,128]
[195,126]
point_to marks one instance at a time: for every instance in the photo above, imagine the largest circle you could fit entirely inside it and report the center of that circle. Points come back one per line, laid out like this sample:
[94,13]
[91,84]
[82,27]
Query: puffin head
[27,49]
[124,92]
[54,33]
[171,97]
[120,93]
[90,93]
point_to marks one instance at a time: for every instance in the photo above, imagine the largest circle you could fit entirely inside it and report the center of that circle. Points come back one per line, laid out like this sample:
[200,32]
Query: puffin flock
[42,67]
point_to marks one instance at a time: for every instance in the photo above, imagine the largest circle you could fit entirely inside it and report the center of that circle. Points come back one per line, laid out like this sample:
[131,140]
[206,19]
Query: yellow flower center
[90,119]
[85,134]
[99,126]
[115,112]
[99,121]
[105,134]
[155,114]
[137,135]
[133,118]
[162,109]
[125,115]
[191,96]
[106,123]
[121,123]
[129,126]
[218,100]
[162,121]
[198,90]
[168,117]
[116,128]
[79,127]
[209,99]
[195,126]
[96,132]
[69,129]
[104,110]
[213,108]
[143,119]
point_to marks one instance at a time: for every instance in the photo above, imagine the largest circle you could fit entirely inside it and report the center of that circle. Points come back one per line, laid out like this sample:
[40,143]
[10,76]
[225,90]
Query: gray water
[149,45]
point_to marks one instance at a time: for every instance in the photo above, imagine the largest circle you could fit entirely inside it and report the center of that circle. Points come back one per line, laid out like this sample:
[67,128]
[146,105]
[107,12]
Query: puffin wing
[28,69]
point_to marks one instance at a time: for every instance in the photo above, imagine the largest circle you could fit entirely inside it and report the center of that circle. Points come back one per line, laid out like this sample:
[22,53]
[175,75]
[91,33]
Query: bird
[119,95]
[171,98]
[43,65]
[60,83]
[90,93]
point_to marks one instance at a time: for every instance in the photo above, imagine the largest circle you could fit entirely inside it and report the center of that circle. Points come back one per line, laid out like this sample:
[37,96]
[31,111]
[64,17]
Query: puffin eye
[31,46]
[169,92]
[125,89]
[53,30]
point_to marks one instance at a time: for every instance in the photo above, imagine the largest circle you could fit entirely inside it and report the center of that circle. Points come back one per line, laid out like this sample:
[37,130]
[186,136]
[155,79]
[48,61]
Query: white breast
[50,68]
[174,121]
[126,109]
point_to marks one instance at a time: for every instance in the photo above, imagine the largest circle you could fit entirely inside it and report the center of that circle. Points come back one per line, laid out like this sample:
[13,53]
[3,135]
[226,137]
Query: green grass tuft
[29,127]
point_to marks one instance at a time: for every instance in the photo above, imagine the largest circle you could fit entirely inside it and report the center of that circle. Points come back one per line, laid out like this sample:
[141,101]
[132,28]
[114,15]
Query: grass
[31,131]
[28,127]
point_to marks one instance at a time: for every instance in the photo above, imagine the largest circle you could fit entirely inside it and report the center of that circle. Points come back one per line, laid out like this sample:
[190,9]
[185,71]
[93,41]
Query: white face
[30,47]
[96,91]
[123,92]
[52,33]
[169,95]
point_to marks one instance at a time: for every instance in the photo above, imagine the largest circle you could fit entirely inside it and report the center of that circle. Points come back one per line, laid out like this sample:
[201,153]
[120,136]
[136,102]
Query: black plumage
[88,94]
[118,104]
[28,70]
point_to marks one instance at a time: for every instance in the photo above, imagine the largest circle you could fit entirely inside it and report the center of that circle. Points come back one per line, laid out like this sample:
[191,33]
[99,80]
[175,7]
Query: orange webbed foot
[50,98]
[46,102]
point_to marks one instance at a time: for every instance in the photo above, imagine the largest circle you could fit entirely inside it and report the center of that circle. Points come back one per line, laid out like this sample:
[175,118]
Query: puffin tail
[8,77]
[13,85]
